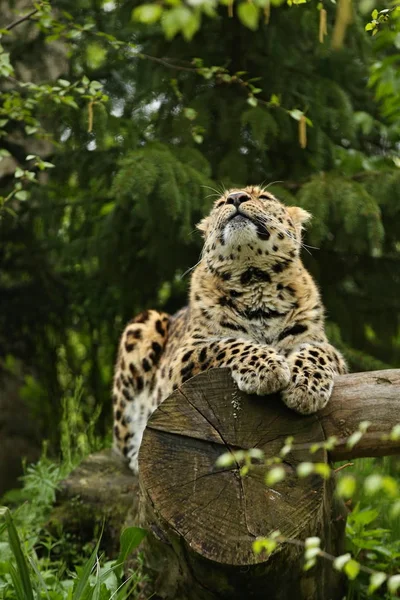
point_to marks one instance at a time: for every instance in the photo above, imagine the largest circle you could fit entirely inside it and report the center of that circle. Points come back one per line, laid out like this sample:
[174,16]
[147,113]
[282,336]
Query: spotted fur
[253,307]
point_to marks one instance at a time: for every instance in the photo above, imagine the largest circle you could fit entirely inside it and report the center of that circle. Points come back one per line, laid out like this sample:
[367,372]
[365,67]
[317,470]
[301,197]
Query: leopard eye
[220,203]
[264,197]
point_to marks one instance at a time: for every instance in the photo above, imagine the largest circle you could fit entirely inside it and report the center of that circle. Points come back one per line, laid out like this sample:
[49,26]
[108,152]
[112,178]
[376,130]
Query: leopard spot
[159,327]
[187,355]
[146,365]
[139,384]
[142,317]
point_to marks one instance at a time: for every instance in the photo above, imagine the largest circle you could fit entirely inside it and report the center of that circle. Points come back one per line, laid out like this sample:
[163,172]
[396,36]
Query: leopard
[253,308]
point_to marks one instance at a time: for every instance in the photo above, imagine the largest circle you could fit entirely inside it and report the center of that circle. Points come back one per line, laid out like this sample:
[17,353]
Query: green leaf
[374,14]
[275,475]
[30,129]
[354,439]
[393,583]
[305,468]
[129,540]
[192,26]
[364,517]
[296,114]
[373,483]
[312,542]
[147,13]
[107,208]
[267,545]
[375,581]
[274,100]
[252,101]
[249,15]
[96,55]
[352,568]
[22,195]
[323,470]
[175,20]
[190,113]
[395,433]
[341,561]
[225,460]
[346,486]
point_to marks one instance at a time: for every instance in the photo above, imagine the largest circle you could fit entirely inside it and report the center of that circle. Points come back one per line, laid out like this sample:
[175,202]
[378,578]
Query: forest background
[120,121]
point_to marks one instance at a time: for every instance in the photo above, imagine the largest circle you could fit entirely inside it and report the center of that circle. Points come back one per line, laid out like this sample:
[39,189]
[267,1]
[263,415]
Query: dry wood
[372,396]
[202,520]
[205,519]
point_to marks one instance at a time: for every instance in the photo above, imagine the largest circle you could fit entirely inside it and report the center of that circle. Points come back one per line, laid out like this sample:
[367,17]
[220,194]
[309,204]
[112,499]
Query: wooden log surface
[202,520]
[373,396]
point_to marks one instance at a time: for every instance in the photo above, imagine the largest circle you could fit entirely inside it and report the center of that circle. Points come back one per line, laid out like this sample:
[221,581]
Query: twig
[349,464]
[164,62]
[21,19]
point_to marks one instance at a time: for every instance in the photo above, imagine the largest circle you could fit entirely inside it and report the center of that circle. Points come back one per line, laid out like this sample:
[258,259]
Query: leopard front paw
[264,377]
[308,392]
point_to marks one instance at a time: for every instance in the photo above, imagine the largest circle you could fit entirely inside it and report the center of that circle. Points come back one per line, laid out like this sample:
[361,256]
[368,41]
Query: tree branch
[21,19]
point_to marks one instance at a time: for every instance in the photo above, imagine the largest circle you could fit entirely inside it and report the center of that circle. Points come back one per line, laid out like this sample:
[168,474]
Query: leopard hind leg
[141,347]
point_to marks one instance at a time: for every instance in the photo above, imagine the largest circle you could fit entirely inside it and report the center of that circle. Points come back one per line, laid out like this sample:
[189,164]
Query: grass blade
[40,579]
[83,579]
[19,592]
[15,544]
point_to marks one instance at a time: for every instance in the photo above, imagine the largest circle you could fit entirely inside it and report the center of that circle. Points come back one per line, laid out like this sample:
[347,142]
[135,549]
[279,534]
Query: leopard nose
[237,198]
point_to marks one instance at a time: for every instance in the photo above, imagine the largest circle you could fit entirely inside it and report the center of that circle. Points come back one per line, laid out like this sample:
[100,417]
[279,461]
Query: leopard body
[253,308]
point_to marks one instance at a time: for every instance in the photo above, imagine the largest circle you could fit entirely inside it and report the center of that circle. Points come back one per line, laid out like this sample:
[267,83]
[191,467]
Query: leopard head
[253,224]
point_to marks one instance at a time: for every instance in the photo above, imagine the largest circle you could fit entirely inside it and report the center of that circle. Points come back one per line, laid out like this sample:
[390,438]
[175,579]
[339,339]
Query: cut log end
[217,511]
[212,516]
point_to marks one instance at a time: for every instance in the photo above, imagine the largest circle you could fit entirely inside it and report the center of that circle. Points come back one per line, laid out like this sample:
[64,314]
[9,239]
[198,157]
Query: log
[99,494]
[373,397]
[203,520]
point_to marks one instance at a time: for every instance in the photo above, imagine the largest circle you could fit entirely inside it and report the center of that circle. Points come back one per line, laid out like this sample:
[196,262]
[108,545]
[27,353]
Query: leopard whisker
[190,269]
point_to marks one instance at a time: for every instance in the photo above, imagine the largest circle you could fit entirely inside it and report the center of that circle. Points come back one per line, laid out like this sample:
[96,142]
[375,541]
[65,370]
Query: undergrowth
[33,563]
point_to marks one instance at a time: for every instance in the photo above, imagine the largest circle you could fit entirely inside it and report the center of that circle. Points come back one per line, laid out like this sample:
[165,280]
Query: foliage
[24,576]
[35,564]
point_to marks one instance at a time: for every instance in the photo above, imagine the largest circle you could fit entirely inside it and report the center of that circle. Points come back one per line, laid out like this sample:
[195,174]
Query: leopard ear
[299,215]
[203,226]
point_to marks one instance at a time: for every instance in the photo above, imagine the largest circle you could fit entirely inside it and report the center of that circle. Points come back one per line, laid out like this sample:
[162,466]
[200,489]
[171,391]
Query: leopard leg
[256,369]
[313,367]
[141,346]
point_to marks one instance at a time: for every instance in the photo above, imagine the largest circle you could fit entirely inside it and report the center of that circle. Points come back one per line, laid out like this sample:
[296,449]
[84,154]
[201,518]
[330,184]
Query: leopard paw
[306,394]
[267,377]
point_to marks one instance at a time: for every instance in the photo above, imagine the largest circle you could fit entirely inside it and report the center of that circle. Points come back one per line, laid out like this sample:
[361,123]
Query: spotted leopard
[253,308]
